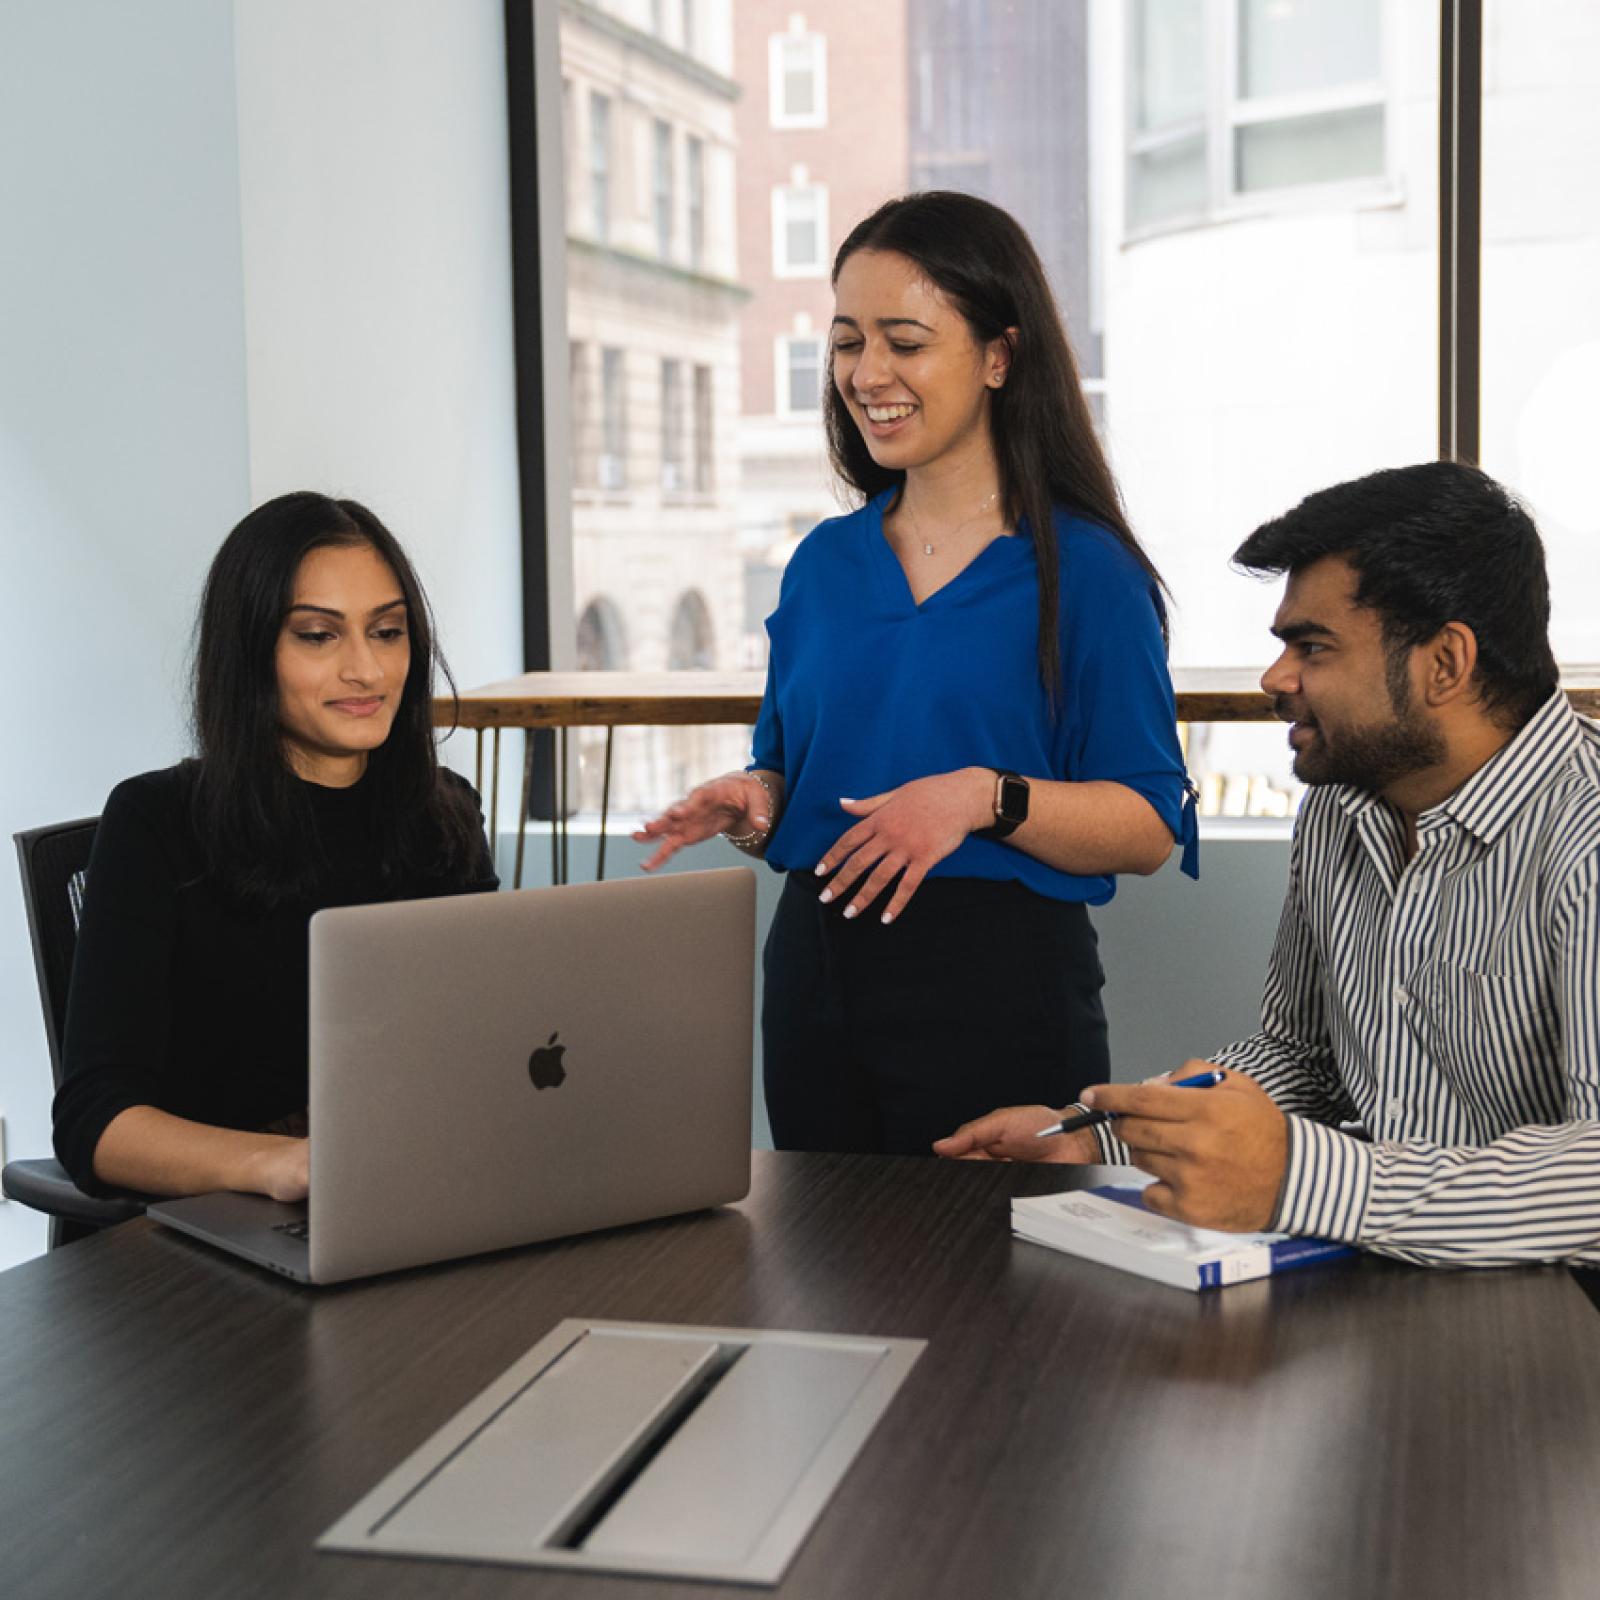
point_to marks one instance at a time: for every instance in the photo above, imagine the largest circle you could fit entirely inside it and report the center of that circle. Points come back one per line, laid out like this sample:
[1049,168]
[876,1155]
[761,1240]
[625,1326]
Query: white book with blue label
[1112,1226]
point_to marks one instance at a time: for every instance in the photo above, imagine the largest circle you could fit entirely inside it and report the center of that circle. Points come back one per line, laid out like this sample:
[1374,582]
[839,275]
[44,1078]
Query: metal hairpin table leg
[494,794]
[566,773]
[555,806]
[522,816]
[605,804]
[478,770]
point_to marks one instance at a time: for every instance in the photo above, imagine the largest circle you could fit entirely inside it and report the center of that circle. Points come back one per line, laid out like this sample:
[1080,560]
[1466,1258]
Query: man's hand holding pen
[1218,1158]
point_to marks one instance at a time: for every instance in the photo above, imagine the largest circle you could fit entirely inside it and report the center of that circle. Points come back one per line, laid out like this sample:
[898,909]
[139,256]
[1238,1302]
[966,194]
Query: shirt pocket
[1490,1027]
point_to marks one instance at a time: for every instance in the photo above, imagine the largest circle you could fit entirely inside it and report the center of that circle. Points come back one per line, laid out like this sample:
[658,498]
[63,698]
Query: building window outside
[582,412]
[695,185]
[798,80]
[799,370]
[661,187]
[602,638]
[673,474]
[613,466]
[800,229]
[1307,105]
[704,476]
[569,138]
[692,646]
[1167,99]
[600,166]
[1294,100]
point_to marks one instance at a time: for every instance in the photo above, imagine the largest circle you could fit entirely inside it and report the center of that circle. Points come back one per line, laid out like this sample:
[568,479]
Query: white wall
[249,248]
[377,274]
[123,453]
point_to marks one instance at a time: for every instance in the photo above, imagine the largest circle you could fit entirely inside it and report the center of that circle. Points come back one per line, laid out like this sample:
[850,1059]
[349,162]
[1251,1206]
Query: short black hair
[1431,544]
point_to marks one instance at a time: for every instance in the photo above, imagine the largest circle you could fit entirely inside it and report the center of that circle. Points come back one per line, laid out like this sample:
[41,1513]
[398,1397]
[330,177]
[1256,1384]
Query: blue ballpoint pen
[1098,1119]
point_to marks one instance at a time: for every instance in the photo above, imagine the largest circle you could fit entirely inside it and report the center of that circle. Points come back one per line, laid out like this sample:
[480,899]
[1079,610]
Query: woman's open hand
[733,803]
[904,832]
[1012,1134]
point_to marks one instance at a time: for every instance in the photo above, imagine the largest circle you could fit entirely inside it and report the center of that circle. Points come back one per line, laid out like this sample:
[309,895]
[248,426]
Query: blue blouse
[867,690]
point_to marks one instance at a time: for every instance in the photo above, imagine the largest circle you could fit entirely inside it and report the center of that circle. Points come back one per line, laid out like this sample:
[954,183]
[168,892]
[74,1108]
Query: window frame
[778,116]
[675,470]
[694,195]
[782,374]
[663,187]
[703,468]
[611,464]
[800,182]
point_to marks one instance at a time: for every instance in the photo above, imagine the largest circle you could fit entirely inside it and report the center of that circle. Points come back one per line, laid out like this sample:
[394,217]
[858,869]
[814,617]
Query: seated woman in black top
[317,784]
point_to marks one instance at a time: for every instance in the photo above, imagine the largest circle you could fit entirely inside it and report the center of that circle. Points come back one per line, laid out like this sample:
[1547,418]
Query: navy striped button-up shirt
[1449,1006]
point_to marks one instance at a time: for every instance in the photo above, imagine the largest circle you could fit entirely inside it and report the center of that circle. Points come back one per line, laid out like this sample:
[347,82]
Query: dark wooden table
[175,1424]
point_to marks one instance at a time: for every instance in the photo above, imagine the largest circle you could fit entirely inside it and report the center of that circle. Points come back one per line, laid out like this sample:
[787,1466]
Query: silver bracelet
[742,841]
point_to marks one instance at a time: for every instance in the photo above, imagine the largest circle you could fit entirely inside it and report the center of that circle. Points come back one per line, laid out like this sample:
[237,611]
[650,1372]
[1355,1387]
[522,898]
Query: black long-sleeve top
[180,998]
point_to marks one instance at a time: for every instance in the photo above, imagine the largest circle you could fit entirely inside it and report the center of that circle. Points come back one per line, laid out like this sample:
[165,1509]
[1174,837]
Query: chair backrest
[55,863]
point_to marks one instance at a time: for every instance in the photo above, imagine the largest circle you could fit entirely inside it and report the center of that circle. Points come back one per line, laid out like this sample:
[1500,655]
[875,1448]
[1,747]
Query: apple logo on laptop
[544,1065]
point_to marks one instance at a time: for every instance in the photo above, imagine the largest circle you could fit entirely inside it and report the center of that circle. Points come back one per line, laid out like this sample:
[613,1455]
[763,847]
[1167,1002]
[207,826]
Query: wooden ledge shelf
[704,699]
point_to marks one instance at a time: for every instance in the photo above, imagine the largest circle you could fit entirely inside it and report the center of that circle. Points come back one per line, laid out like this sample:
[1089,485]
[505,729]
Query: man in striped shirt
[1426,1078]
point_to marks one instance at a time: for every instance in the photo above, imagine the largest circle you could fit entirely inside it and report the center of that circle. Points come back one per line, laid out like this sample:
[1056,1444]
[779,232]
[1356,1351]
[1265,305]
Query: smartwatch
[1010,805]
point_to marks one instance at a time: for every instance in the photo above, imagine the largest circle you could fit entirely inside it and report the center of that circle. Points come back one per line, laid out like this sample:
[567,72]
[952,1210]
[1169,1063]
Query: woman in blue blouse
[968,727]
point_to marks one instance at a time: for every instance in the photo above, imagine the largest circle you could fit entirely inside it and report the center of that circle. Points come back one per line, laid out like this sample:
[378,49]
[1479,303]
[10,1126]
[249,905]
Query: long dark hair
[252,815]
[1044,437]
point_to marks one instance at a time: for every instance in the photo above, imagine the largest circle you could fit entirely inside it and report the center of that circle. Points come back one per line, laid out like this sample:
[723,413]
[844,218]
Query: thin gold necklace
[928,548]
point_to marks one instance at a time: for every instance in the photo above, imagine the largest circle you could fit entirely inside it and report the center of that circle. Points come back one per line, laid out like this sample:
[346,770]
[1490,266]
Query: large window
[1236,201]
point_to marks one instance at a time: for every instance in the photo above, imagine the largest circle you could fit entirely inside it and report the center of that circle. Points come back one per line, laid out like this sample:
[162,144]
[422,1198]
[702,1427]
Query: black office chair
[54,862]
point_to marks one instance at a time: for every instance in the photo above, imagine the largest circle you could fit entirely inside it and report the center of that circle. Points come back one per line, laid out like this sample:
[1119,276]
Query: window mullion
[1460,234]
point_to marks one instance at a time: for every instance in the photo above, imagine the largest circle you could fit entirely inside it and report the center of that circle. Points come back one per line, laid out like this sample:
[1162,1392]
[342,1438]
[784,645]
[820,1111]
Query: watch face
[1013,799]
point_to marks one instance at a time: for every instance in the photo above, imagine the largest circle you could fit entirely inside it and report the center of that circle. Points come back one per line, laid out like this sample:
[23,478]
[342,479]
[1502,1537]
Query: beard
[1369,757]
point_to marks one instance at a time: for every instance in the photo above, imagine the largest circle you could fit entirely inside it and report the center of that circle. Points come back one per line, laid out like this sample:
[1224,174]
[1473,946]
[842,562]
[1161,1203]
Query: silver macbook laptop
[491,1070]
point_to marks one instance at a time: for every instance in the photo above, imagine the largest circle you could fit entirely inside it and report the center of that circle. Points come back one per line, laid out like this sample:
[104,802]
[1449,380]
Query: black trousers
[884,1039]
